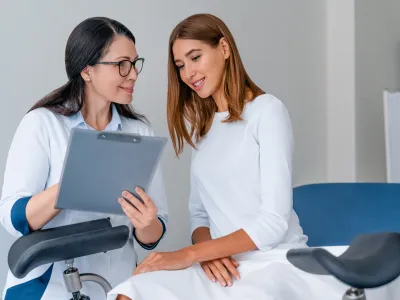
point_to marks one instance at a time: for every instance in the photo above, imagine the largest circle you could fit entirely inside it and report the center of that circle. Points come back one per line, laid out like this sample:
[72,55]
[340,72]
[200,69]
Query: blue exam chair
[365,216]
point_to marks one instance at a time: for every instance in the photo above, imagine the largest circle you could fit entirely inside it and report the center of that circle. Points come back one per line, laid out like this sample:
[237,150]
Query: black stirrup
[371,261]
[64,243]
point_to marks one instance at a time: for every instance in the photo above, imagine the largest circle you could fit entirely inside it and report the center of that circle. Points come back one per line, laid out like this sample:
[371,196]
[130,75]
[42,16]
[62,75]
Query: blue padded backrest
[332,214]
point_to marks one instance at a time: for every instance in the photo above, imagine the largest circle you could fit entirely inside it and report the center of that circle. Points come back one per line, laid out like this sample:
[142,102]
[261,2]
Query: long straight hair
[184,105]
[88,42]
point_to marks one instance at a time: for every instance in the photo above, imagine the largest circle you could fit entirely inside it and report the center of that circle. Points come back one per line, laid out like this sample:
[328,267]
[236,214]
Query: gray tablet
[100,165]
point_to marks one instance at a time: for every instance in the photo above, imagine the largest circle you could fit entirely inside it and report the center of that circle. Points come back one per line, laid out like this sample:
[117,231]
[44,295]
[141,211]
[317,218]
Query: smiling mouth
[128,90]
[198,84]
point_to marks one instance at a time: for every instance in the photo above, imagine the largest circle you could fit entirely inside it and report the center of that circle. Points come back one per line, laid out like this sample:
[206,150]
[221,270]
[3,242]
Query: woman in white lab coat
[242,219]
[102,65]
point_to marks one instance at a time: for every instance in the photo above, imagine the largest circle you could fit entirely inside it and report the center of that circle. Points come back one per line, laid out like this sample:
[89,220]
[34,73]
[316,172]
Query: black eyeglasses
[126,65]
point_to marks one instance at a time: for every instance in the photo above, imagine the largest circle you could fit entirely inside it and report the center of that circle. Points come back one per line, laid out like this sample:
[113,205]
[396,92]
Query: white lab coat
[34,163]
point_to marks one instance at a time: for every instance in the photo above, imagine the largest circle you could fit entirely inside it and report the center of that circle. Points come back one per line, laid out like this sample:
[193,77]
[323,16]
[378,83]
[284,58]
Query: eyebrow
[127,57]
[188,53]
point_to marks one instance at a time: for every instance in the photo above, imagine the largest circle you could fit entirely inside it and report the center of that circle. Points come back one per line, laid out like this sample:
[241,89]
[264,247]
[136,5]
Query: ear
[226,51]
[86,74]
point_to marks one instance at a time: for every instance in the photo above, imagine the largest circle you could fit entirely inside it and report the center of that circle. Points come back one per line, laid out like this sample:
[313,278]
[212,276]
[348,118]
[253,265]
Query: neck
[96,113]
[222,103]
[220,100]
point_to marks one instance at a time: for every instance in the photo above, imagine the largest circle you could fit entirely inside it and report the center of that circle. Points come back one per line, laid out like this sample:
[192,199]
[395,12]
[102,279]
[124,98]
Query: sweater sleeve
[274,136]
[197,211]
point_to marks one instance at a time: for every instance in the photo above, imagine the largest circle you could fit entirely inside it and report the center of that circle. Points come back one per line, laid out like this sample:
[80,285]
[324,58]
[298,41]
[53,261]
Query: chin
[203,94]
[123,101]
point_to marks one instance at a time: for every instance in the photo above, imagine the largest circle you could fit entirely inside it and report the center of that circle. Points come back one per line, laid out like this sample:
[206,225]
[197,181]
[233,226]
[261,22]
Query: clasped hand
[221,270]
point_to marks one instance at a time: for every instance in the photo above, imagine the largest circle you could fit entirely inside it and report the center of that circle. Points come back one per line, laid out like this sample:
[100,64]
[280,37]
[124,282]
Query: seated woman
[102,65]
[242,220]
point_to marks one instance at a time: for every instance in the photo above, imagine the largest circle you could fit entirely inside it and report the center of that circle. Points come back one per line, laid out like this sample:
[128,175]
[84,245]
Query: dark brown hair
[184,104]
[87,43]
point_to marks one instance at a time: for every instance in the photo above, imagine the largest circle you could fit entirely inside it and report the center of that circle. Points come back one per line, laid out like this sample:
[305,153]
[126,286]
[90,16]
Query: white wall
[377,57]
[341,143]
[283,45]
[363,59]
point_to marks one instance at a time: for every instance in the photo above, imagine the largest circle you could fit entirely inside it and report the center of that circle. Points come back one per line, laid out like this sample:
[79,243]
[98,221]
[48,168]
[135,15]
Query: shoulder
[267,103]
[266,107]
[268,118]
[136,126]
[40,118]
[35,129]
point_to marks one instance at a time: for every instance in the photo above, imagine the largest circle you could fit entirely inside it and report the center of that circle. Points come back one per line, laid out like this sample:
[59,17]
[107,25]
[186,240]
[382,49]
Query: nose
[190,72]
[132,74]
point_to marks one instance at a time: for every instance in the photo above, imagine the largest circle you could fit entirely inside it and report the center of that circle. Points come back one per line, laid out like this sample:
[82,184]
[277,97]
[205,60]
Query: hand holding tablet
[99,166]
[141,214]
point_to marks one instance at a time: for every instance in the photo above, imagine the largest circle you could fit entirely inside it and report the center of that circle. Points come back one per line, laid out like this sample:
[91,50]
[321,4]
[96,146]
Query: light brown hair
[184,104]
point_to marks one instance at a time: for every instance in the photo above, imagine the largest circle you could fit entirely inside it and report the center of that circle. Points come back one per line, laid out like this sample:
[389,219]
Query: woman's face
[200,66]
[106,81]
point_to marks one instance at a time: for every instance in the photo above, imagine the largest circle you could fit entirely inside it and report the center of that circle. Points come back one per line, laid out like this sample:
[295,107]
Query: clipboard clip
[112,136]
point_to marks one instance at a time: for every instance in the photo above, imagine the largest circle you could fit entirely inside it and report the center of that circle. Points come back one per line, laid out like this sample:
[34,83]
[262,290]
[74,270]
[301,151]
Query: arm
[26,205]
[269,226]
[205,248]
[201,234]
[199,220]
[202,252]
[148,236]
[219,269]
[229,245]
[40,208]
